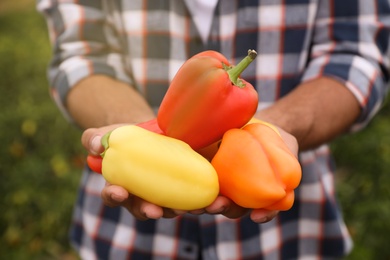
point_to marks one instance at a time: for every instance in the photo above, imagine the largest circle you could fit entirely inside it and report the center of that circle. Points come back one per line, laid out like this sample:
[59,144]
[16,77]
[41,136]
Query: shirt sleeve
[351,44]
[83,44]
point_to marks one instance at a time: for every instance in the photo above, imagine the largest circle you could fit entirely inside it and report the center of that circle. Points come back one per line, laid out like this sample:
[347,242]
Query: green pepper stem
[235,72]
[104,142]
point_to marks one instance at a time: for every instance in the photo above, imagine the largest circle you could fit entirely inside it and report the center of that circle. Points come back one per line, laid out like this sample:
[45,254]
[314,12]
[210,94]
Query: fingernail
[217,210]
[95,145]
[179,212]
[115,197]
[198,211]
[261,220]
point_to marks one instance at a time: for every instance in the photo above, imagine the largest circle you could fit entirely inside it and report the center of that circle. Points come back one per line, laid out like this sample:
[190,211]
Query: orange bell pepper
[209,151]
[256,169]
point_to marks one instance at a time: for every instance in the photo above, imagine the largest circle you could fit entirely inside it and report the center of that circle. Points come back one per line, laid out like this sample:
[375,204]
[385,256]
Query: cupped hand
[229,209]
[114,195]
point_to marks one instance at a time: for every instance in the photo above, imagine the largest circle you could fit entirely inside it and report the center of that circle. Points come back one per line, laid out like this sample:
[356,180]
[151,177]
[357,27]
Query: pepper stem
[104,142]
[235,72]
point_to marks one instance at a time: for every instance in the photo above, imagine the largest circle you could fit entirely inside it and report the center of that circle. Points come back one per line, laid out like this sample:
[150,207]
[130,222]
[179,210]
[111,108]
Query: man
[321,71]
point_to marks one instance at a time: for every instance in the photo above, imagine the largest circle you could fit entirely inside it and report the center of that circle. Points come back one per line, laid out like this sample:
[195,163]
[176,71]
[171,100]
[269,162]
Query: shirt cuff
[361,77]
[74,69]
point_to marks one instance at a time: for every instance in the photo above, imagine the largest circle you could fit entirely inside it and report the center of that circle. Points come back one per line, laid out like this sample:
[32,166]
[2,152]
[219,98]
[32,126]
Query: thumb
[290,141]
[91,138]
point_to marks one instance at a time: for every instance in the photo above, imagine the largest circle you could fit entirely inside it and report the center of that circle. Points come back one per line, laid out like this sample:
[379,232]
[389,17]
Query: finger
[290,141]
[226,207]
[217,207]
[263,215]
[170,213]
[91,138]
[139,208]
[91,141]
[197,211]
[179,212]
[144,210]
[114,196]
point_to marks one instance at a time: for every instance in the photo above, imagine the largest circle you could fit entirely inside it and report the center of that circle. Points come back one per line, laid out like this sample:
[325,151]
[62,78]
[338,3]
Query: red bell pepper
[206,98]
[95,163]
[151,125]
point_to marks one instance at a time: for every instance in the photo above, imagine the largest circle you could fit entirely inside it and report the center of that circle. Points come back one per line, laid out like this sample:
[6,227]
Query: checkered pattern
[145,42]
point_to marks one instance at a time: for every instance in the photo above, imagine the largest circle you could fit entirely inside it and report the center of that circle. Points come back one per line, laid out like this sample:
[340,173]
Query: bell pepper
[159,169]
[206,98]
[256,169]
[151,125]
[209,151]
[95,161]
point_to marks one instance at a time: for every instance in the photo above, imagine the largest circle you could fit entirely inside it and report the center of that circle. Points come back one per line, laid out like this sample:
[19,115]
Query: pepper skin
[256,169]
[151,125]
[209,151]
[206,98]
[95,161]
[159,169]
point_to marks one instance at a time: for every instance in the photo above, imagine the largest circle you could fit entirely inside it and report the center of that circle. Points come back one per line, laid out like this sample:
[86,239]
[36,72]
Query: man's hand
[114,195]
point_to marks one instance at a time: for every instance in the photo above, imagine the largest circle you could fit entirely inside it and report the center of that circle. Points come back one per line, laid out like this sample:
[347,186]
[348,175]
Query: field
[41,156]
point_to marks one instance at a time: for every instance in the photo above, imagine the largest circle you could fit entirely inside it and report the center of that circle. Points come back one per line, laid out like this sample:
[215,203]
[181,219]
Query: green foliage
[41,157]
[363,186]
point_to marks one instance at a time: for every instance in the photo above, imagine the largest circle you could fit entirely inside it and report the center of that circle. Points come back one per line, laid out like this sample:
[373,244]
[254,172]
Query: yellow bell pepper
[159,169]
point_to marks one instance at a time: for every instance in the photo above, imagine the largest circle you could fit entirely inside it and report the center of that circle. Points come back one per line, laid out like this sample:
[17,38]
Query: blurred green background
[41,157]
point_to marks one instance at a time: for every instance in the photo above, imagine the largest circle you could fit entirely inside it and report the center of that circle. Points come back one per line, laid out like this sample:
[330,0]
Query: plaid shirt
[145,42]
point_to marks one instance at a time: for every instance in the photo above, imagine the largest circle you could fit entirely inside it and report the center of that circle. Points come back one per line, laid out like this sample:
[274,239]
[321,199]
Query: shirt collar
[202,12]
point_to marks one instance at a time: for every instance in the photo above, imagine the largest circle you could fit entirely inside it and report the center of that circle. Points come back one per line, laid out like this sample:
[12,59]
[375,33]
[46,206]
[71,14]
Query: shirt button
[188,249]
